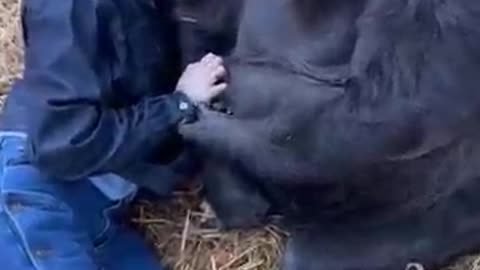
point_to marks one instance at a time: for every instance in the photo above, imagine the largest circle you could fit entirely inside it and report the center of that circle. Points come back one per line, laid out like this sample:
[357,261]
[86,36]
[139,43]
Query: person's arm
[72,133]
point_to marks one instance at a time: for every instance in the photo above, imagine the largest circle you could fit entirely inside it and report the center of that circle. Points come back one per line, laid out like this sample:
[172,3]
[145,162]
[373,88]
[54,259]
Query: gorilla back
[351,114]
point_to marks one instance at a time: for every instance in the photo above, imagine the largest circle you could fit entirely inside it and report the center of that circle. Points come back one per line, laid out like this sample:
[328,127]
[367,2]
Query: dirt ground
[176,229]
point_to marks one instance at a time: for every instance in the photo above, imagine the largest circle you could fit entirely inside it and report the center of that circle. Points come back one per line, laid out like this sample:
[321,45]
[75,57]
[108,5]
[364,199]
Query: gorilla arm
[246,143]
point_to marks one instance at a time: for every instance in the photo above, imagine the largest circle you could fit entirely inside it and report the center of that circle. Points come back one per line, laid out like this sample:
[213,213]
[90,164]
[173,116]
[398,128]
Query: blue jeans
[52,224]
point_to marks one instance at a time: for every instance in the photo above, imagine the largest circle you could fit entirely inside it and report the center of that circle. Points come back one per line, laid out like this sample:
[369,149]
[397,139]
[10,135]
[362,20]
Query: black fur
[207,26]
[360,114]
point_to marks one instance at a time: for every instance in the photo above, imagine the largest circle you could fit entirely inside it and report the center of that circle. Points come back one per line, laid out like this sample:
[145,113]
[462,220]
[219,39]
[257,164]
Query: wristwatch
[188,109]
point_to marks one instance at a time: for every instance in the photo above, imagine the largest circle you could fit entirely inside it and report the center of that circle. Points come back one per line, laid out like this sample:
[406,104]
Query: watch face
[183,106]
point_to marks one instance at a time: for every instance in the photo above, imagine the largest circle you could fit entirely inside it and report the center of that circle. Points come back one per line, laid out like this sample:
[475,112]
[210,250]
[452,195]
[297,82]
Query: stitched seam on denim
[15,134]
[16,227]
[132,196]
[60,205]
[108,223]
[12,233]
[105,213]
[23,240]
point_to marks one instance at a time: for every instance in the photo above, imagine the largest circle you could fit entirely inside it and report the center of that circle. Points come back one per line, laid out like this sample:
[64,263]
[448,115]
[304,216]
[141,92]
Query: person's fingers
[216,61]
[212,60]
[218,89]
[191,67]
[188,67]
[207,58]
[219,73]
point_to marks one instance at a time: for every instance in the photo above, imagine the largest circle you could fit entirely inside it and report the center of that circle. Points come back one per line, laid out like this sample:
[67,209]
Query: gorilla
[357,121]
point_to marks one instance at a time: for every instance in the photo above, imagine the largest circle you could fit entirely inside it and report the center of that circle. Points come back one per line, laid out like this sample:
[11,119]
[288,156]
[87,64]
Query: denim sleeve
[72,132]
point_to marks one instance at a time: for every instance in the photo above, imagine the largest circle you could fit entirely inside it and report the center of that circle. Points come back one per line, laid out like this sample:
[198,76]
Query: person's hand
[200,80]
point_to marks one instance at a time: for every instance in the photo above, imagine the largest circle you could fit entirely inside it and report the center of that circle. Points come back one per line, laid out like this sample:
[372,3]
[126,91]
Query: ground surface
[176,229]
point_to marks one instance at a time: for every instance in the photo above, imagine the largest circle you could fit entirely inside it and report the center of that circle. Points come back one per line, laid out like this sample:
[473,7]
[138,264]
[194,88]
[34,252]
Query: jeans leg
[38,230]
[116,246]
[51,224]
[126,250]
[12,255]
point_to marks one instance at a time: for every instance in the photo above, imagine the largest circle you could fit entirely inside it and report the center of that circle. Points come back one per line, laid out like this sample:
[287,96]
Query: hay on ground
[182,233]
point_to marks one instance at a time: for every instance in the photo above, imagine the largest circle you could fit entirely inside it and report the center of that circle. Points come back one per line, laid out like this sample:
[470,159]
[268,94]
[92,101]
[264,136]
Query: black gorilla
[358,120]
